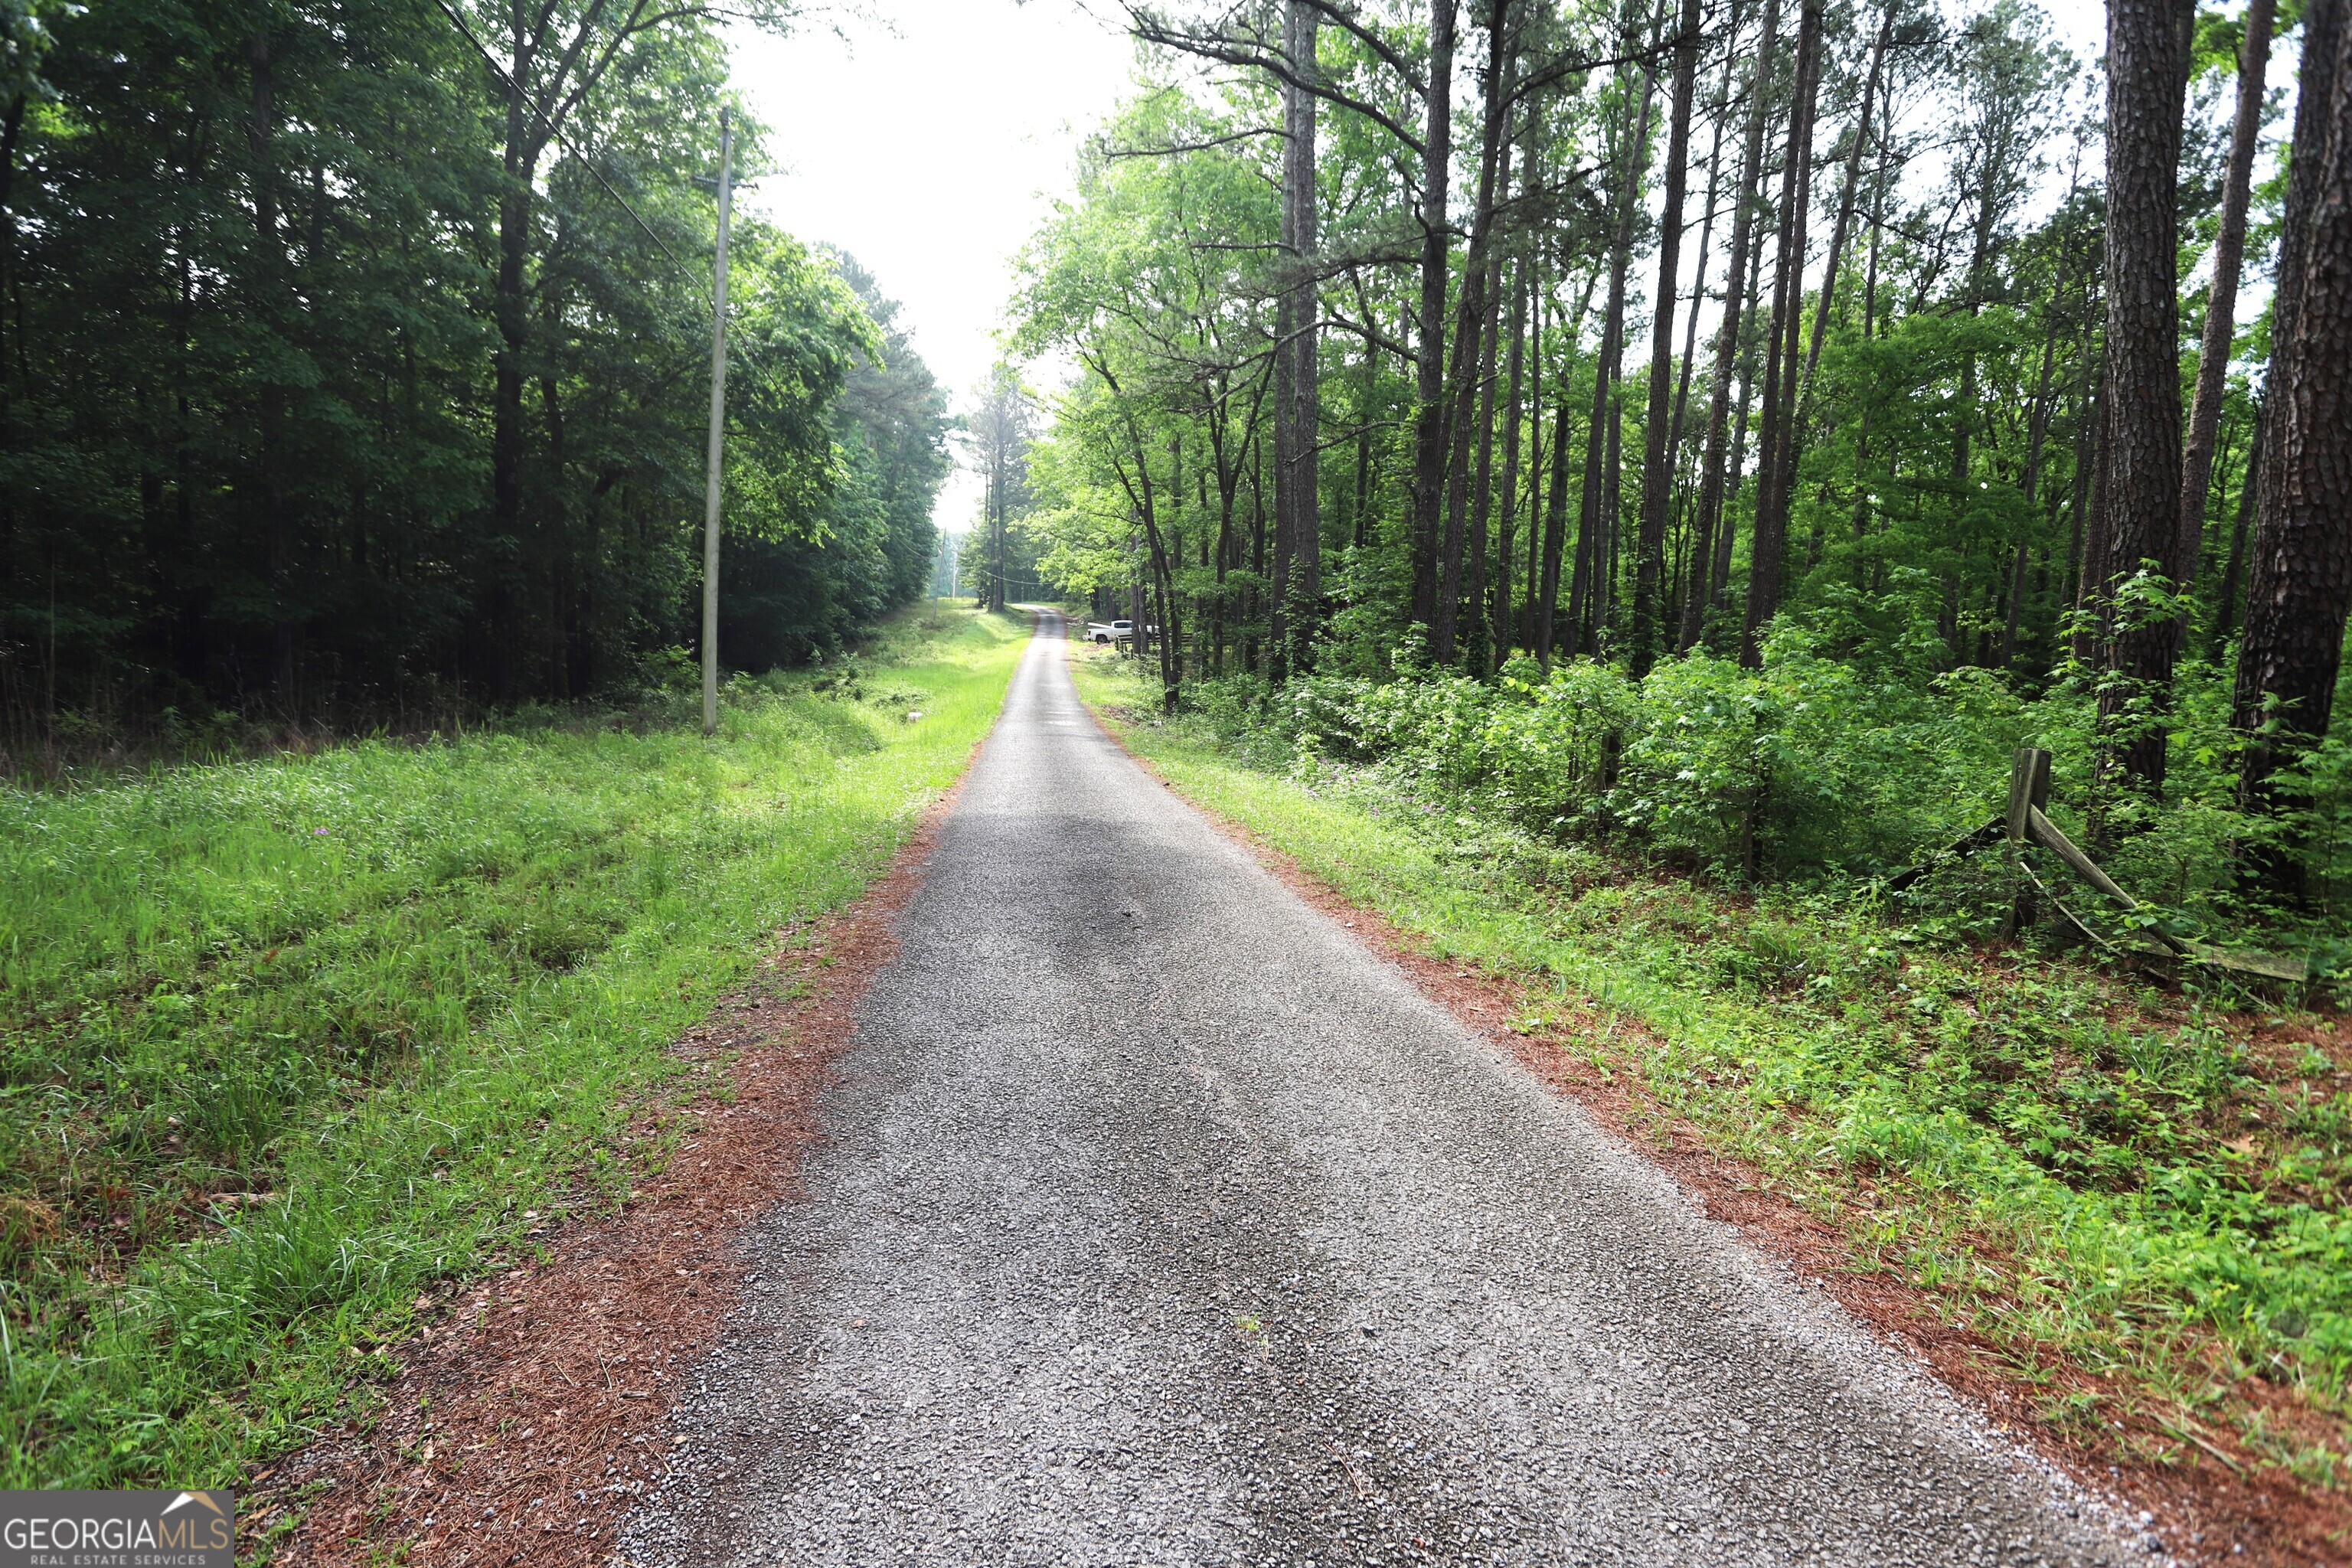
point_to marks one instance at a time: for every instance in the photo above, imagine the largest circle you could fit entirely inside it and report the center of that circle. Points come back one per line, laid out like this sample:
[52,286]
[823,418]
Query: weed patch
[283,1043]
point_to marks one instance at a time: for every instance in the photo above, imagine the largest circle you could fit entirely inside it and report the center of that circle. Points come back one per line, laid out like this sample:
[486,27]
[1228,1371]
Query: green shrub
[1848,754]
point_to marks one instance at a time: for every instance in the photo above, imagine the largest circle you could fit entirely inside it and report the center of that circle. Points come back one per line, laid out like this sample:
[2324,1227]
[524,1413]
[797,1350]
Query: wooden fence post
[2029,791]
[2029,788]
[2027,822]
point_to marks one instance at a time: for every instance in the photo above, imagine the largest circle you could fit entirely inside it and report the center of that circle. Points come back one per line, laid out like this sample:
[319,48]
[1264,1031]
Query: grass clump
[283,1042]
[2098,1175]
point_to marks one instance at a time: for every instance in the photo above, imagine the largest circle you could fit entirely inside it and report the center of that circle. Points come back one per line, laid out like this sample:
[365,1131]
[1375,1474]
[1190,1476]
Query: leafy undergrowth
[2088,1171]
[283,1041]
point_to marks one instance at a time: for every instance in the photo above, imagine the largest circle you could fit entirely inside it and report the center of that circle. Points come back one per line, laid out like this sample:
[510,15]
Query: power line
[552,130]
[700,283]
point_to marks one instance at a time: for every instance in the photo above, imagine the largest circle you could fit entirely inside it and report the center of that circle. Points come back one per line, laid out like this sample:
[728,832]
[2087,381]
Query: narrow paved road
[1158,1221]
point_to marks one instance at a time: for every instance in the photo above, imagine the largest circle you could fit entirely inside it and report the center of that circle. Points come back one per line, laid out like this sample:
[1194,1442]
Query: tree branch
[1194,146]
[1345,19]
[1235,51]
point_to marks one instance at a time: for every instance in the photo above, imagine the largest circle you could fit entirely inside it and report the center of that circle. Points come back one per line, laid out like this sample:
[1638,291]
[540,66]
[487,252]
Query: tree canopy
[1643,330]
[355,363]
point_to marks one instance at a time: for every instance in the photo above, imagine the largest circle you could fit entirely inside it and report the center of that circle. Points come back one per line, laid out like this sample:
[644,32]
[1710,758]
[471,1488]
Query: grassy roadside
[2138,1199]
[283,1041]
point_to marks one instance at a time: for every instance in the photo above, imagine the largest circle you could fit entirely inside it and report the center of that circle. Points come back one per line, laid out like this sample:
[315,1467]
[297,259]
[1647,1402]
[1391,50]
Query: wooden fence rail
[2025,823]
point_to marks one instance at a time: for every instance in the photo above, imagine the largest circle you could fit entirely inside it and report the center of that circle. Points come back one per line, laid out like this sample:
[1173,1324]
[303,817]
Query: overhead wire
[702,284]
[507,78]
[735,350]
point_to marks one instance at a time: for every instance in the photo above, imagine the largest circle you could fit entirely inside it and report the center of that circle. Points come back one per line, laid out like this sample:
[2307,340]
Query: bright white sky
[927,140]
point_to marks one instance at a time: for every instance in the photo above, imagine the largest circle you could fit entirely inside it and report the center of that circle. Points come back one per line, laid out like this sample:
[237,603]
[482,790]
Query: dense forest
[355,361]
[1734,425]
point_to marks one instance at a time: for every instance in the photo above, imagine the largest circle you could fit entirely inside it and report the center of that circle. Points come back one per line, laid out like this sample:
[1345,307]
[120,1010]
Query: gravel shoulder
[1157,1220]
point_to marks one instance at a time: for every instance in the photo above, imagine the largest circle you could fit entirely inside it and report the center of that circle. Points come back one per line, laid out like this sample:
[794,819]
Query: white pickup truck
[1109,631]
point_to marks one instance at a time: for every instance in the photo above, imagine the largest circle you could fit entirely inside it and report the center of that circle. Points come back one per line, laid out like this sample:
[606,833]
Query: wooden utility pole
[712,483]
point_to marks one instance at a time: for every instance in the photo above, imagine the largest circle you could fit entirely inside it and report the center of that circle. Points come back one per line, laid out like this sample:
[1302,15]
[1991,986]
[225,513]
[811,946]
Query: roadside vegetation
[285,1041]
[1615,487]
[2097,1171]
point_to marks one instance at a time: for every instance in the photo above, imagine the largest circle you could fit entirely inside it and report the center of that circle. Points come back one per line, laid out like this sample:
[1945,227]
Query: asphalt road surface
[1158,1221]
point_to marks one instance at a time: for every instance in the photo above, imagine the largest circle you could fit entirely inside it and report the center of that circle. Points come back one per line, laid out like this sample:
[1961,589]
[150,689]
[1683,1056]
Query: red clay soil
[526,1418]
[2207,1513]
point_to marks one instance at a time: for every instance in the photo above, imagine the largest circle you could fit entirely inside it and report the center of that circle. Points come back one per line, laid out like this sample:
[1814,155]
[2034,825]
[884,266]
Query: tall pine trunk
[1677,569]
[1708,511]
[1609,578]
[1588,589]
[1842,225]
[2221,302]
[1429,387]
[1657,457]
[1477,651]
[1499,633]
[1469,335]
[1544,617]
[1297,525]
[2302,583]
[2148,81]
[1726,535]
[2037,431]
[1776,457]
[2234,574]
[1547,596]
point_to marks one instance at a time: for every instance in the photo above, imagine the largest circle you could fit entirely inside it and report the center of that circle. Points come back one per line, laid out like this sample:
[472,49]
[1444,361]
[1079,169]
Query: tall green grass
[2082,1169]
[283,1041]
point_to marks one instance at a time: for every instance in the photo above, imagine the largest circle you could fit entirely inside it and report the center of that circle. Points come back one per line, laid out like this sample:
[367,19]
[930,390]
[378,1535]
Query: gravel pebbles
[1158,1221]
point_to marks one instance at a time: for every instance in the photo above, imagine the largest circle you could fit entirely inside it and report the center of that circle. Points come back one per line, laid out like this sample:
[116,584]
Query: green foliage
[1151,468]
[1941,490]
[1847,755]
[282,1042]
[1811,762]
[832,526]
[250,376]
